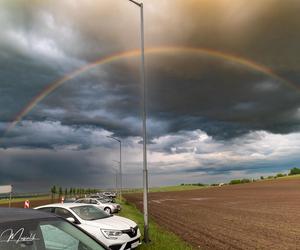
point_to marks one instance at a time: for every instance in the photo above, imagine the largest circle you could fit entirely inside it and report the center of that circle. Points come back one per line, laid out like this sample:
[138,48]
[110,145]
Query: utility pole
[145,169]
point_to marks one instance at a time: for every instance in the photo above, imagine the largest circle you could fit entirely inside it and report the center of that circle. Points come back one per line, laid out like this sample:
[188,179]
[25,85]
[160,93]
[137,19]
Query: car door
[100,205]
[96,203]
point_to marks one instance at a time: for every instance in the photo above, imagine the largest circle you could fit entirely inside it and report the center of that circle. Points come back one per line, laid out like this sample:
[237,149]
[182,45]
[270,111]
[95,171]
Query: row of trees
[273,177]
[55,190]
[238,181]
[193,184]
[293,171]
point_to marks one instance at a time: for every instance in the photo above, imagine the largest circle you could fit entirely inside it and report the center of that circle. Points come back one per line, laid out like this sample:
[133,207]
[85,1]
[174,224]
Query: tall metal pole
[116,178]
[116,181]
[120,169]
[145,169]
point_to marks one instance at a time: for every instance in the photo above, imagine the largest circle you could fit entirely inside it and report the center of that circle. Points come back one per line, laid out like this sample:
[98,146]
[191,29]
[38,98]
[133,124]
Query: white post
[9,204]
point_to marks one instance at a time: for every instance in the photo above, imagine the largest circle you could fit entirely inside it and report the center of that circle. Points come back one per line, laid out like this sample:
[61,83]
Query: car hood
[113,222]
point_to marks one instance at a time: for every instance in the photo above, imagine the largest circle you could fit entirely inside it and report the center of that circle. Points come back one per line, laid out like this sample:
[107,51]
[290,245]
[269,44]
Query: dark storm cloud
[45,168]
[260,167]
[266,31]
[20,80]
[54,135]
[217,96]
[224,102]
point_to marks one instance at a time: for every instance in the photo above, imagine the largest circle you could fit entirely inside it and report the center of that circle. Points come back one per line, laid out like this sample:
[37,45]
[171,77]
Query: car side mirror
[71,219]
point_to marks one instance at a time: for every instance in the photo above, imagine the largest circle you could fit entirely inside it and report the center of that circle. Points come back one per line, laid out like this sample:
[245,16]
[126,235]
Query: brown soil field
[260,215]
[33,203]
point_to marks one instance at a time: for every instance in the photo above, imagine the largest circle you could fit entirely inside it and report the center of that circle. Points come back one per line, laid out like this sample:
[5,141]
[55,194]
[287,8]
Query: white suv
[115,232]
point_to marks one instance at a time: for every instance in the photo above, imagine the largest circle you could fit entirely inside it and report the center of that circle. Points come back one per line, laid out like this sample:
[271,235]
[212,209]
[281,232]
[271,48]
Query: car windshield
[82,201]
[103,200]
[90,213]
[45,234]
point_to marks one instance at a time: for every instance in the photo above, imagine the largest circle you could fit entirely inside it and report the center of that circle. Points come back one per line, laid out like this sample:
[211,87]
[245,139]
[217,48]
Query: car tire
[107,210]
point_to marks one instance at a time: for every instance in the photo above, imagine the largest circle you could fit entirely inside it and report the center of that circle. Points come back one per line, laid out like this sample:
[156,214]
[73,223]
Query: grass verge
[160,238]
[165,189]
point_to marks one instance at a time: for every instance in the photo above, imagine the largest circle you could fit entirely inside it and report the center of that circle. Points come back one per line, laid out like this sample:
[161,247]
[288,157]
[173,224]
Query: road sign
[5,189]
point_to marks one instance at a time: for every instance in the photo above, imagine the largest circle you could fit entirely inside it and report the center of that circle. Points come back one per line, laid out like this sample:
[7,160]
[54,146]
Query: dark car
[28,229]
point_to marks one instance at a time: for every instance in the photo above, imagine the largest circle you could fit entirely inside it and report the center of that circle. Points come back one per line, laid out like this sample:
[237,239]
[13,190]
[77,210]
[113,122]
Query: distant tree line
[67,192]
[238,181]
[293,171]
[193,184]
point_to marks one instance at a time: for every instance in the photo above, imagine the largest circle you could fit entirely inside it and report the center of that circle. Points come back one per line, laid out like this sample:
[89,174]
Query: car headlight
[111,234]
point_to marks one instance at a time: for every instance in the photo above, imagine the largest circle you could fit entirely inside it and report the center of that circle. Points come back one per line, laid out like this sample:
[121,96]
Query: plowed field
[33,203]
[260,215]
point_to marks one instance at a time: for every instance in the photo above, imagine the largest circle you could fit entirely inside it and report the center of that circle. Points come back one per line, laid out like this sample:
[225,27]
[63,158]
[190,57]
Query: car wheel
[107,210]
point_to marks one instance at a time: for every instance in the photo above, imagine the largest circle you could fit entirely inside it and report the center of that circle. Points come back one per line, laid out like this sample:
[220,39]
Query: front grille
[132,232]
[128,245]
[115,247]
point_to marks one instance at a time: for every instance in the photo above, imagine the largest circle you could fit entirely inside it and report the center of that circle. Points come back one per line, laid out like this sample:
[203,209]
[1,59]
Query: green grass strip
[165,189]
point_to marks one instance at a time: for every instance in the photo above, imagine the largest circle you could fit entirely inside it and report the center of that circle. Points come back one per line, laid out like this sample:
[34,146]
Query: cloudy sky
[223,91]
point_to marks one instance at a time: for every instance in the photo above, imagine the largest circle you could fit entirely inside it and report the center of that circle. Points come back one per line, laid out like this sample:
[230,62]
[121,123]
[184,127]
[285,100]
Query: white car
[106,206]
[116,232]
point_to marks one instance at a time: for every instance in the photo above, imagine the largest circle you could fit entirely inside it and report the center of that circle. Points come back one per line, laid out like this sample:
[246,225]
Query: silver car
[107,207]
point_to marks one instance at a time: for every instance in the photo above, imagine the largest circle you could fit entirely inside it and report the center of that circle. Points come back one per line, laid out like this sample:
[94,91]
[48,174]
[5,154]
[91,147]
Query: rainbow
[134,53]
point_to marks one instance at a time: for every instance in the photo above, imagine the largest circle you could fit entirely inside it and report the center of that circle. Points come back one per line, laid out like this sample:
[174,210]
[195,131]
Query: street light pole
[145,169]
[116,180]
[117,169]
[120,162]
